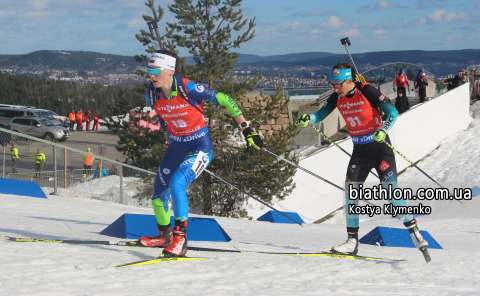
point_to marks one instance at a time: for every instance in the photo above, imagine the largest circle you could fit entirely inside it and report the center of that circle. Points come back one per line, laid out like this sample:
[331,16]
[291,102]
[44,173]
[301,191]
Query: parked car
[8,113]
[17,106]
[39,127]
[64,120]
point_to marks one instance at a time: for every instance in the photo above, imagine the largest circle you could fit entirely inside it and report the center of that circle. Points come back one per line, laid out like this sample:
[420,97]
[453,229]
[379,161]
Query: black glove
[253,138]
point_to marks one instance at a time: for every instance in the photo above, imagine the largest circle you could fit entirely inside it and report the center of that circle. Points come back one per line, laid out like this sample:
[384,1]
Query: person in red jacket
[87,120]
[79,118]
[401,81]
[95,122]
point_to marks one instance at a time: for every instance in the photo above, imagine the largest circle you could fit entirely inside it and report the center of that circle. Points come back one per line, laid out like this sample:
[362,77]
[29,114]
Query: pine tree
[205,28]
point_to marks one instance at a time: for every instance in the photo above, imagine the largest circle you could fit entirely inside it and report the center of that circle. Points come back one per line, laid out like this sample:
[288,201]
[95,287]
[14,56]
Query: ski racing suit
[359,109]
[181,117]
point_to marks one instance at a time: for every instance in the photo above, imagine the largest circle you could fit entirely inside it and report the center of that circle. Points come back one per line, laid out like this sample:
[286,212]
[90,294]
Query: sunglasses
[155,71]
[337,85]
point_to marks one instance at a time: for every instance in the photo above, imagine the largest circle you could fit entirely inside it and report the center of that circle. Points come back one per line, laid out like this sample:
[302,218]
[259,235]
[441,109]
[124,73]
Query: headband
[341,74]
[163,61]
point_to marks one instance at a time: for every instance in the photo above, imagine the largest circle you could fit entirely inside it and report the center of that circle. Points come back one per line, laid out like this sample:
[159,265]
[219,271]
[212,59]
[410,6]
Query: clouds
[383,4]
[443,17]
[316,12]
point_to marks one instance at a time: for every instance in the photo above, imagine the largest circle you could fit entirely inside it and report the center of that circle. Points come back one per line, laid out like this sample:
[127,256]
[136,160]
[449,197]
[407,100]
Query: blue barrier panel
[272,216]
[475,191]
[18,187]
[396,237]
[133,226]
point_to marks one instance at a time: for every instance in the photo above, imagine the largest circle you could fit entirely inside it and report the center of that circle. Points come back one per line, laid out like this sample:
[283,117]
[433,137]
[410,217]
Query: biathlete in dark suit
[359,105]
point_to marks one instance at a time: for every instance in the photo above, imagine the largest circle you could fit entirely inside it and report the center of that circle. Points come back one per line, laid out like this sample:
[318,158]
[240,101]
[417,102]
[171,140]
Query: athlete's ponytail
[178,67]
[343,65]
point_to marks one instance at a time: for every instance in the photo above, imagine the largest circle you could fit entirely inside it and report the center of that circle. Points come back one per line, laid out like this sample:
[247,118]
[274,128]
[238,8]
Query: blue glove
[303,120]
[379,136]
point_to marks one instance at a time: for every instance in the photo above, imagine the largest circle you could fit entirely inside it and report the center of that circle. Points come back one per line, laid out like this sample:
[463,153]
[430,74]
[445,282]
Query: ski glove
[379,136]
[253,138]
[303,120]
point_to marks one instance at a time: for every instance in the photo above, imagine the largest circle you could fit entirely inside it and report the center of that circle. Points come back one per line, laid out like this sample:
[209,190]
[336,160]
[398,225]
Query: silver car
[40,128]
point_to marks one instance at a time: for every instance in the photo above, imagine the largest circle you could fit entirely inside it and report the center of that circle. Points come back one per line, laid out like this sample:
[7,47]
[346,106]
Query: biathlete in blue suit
[359,105]
[178,104]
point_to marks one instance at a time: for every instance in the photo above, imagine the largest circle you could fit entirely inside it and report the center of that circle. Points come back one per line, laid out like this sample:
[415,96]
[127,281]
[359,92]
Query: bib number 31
[354,121]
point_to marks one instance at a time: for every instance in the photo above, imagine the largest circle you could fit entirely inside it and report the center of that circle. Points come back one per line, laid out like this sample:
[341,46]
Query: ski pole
[316,176]
[260,201]
[344,42]
[153,27]
[393,148]
[333,142]
[305,170]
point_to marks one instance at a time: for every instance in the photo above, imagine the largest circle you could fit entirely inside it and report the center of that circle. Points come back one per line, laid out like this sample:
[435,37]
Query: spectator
[126,171]
[79,119]
[462,79]
[401,103]
[476,84]
[421,84]
[14,153]
[131,147]
[87,120]
[115,170]
[39,158]
[471,79]
[449,81]
[95,121]
[401,82]
[88,157]
[97,172]
[72,117]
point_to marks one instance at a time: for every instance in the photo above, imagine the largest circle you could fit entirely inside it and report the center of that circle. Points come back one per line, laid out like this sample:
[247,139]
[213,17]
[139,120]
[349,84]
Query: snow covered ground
[48,269]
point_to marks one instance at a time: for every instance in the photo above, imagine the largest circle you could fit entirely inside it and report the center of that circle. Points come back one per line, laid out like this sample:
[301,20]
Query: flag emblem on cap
[151,61]
[335,72]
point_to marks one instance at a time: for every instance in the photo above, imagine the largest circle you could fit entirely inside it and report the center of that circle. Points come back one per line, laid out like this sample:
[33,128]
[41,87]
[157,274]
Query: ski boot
[418,239]
[350,247]
[178,248]
[415,234]
[164,239]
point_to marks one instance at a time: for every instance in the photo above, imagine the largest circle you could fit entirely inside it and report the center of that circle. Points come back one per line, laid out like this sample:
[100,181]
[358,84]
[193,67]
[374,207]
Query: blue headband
[340,75]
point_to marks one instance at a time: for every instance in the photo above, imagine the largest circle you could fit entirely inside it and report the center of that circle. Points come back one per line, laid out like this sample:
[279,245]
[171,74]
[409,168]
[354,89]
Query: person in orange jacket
[72,119]
[86,119]
[87,167]
[79,119]
[95,121]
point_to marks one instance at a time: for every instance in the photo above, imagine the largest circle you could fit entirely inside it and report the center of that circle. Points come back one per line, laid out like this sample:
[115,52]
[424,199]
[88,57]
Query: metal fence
[63,171]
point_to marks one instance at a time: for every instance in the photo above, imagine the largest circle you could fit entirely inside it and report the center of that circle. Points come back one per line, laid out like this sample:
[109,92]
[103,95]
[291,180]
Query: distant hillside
[437,62]
[108,63]
[291,57]
[71,60]
[460,57]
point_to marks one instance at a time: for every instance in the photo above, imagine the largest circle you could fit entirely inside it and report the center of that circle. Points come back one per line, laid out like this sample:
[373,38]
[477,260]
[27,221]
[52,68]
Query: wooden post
[65,167]
[101,154]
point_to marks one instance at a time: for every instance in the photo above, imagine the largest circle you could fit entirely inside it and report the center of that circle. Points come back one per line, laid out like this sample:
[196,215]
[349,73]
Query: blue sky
[109,26]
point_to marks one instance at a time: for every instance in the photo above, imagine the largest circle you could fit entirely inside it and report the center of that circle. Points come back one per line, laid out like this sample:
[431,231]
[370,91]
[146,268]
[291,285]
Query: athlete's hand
[394,88]
[379,136]
[303,120]
[253,138]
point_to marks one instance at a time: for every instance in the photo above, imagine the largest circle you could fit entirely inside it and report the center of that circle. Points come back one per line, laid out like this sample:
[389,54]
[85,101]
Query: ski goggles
[337,85]
[155,71]
[340,75]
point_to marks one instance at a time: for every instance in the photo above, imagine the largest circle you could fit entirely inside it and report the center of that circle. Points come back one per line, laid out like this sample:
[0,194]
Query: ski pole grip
[345,40]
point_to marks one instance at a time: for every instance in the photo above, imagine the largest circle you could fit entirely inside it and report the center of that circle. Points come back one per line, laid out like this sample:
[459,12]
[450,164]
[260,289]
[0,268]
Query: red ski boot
[178,248]
[164,239]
